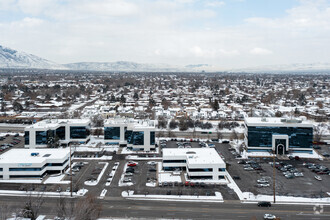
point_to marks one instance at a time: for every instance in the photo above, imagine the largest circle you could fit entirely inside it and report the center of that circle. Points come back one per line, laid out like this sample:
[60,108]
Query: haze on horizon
[222,33]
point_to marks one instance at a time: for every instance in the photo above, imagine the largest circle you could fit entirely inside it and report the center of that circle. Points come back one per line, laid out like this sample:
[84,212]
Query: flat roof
[53,123]
[24,155]
[195,155]
[129,121]
[278,122]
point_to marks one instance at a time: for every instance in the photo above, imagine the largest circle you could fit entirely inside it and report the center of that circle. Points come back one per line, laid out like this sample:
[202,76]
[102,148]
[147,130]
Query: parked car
[131,164]
[236,177]
[263,185]
[248,168]
[264,204]
[262,181]
[318,178]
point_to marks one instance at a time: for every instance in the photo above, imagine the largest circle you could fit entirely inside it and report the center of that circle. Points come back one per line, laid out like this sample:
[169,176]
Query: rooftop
[280,122]
[195,155]
[24,155]
[53,123]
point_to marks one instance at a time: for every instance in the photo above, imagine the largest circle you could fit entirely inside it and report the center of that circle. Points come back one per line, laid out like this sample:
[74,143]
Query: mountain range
[10,58]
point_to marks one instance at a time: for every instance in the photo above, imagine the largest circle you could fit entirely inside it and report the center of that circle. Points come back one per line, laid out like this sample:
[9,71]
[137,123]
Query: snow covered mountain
[10,58]
[121,66]
[294,67]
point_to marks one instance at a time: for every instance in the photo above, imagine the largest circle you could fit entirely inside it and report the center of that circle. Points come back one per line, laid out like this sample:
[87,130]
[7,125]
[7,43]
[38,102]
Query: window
[174,161]
[222,169]
[79,132]
[201,177]
[152,137]
[41,137]
[112,133]
[262,136]
[138,138]
[1,169]
[27,137]
[25,169]
[128,135]
[221,177]
[60,133]
[201,170]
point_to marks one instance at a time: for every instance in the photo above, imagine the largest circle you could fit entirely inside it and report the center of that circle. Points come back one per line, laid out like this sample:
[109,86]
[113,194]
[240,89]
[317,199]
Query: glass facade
[60,132]
[262,136]
[138,138]
[41,137]
[152,137]
[128,135]
[112,133]
[79,132]
[27,137]
[201,170]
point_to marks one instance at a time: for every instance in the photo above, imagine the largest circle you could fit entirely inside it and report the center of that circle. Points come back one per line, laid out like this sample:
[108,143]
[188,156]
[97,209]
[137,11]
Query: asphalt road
[119,207]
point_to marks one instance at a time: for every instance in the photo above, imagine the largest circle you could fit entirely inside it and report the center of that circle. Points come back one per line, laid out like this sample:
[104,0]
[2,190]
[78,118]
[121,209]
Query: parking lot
[11,141]
[305,185]
[144,173]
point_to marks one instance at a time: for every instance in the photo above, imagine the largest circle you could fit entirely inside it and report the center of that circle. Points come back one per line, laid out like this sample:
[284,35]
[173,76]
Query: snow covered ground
[112,173]
[94,183]
[127,151]
[94,158]
[56,179]
[81,192]
[168,177]
[217,198]
[136,157]
[248,196]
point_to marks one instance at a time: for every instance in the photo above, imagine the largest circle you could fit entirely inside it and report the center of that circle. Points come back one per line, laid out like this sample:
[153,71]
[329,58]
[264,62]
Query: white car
[262,181]
[298,174]
[269,216]
[318,178]
[263,185]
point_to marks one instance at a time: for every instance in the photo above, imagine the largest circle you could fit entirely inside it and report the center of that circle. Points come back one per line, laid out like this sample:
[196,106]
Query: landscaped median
[130,195]
[80,192]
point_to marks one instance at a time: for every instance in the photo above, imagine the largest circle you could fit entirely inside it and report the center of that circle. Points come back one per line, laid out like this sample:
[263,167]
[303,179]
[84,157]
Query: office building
[66,131]
[32,163]
[135,134]
[278,135]
[199,163]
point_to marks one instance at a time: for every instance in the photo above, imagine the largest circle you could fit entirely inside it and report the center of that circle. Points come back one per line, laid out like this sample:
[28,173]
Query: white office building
[65,130]
[32,163]
[199,163]
[135,134]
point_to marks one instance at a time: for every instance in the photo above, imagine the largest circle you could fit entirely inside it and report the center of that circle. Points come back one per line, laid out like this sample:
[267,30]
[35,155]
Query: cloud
[214,3]
[260,51]
[157,31]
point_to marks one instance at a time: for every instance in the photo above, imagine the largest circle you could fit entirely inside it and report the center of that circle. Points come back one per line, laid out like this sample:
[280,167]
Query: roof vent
[264,119]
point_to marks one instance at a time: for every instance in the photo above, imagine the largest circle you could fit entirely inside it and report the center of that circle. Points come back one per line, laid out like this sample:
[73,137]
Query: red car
[192,184]
[131,164]
[186,183]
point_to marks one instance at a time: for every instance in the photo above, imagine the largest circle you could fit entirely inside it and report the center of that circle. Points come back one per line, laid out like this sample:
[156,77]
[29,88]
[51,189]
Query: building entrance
[280,146]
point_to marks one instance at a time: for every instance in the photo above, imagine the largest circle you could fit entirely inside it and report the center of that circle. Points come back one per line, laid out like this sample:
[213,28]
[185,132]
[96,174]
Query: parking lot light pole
[274,174]
[70,173]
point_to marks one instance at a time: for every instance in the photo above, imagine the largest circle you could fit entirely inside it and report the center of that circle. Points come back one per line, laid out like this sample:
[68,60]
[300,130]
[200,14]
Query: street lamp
[274,175]
[70,172]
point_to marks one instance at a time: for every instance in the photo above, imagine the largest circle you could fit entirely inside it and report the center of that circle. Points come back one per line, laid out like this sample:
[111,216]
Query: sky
[226,34]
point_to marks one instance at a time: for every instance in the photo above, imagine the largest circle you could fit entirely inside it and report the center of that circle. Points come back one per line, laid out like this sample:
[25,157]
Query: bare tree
[318,132]
[33,206]
[5,211]
[88,208]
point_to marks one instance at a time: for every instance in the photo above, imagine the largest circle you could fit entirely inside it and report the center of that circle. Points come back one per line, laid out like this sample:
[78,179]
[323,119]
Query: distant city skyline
[222,33]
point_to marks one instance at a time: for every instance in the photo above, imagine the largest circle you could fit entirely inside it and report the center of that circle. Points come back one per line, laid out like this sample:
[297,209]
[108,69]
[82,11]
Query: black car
[264,204]
[236,177]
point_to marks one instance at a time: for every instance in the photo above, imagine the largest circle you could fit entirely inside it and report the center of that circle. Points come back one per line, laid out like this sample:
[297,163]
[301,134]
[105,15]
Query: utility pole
[274,174]
[70,173]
